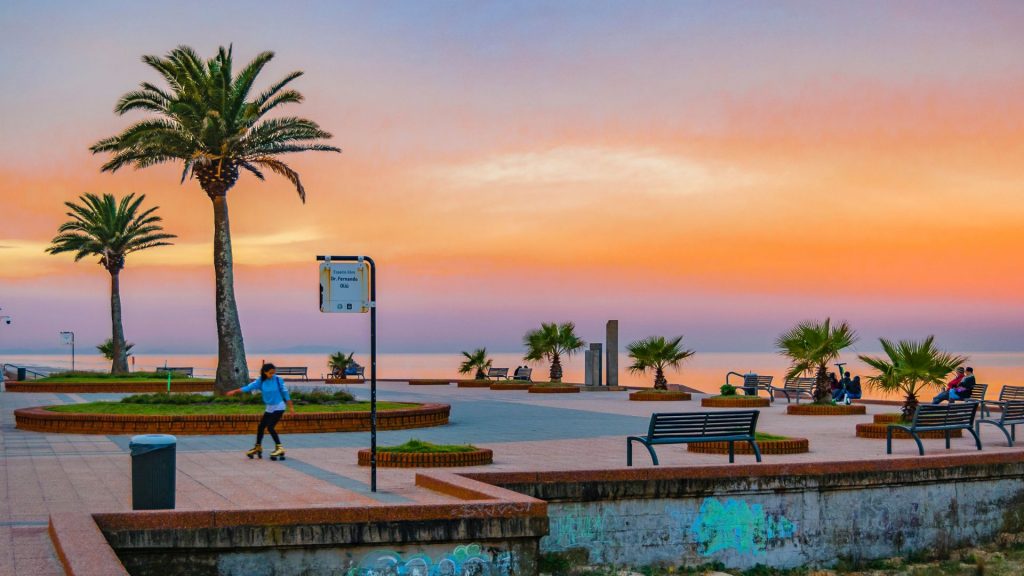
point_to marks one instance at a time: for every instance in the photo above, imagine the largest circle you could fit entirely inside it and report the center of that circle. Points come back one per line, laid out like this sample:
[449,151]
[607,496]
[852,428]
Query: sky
[718,169]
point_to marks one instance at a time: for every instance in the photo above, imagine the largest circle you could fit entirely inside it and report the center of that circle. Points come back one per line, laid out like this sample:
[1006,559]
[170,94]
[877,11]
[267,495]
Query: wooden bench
[796,387]
[1007,394]
[497,373]
[1013,414]
[688,427]
[524,374]
[300,371]
[186,371]
[931,417]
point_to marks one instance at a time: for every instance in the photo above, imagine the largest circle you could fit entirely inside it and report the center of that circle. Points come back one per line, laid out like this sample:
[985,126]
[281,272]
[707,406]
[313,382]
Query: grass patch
[209,409]
[730,396]
[315,396]
[764,436]
[545,384]
[79,376]
[415,446]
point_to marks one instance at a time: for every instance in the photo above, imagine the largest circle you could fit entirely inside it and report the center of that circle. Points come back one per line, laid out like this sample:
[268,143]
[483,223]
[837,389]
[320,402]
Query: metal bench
[524,374]
[360,372]
[1007,394]
[796,387]
[300,371]
[752,383]
[977,394]
[497,373]
[688,427]
[1013,414]
[930,417]
[186,371]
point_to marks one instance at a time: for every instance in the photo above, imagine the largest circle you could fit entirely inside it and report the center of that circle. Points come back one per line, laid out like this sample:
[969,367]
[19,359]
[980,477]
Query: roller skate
[278,453]
[256,451]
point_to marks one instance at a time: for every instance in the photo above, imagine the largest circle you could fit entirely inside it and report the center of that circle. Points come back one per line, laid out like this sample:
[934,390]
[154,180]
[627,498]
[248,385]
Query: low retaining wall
[107,387]
[488,531]
[479,457]
[779,515]
[767,447]
[38,419]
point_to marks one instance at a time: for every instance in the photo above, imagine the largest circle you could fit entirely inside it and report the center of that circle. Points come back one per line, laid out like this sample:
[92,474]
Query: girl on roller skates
[275,397]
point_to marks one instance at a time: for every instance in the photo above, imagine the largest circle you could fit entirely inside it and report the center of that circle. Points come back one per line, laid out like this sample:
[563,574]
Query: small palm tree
[208,120]
[811,347]
[339,362]
[658,353]
[551,342]
[107,349]
[909,367]
[477,362]
[110,229]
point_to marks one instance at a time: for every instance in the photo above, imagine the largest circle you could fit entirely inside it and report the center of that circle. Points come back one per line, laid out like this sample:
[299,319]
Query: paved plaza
[44,473]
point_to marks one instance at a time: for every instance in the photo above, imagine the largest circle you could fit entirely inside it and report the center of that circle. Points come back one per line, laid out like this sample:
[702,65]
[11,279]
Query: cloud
[636,169]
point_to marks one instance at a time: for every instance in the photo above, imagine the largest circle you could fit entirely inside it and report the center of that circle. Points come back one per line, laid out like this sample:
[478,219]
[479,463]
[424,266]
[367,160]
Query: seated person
[851,392]
[960,387]
[352,369]
[833,383]
[838,393]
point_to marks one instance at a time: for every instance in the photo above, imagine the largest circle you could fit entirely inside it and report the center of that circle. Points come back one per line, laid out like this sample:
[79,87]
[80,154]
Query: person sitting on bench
[960,388]
[839,388]
[851,391]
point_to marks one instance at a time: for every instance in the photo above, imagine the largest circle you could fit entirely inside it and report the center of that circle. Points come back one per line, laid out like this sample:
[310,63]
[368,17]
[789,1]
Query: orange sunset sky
[715,169]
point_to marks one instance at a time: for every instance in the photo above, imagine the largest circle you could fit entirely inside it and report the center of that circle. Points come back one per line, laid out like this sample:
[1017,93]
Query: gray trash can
[153,470]
[22,374]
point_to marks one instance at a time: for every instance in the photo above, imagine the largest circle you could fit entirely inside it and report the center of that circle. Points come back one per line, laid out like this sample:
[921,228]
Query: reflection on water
[705,371]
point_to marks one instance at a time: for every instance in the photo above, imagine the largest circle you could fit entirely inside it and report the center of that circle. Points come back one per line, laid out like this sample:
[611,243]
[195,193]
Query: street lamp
[6,320]
[68,337]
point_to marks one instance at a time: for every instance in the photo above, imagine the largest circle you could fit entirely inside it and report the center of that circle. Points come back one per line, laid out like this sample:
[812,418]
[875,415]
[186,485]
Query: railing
[742,376]
[30,374]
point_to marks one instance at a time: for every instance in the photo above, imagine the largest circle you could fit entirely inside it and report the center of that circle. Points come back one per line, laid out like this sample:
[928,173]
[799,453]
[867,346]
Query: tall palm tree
[811,346]
[909,367]
[477,362]
[658,353]
[111,229]
[208,120]
[551,342]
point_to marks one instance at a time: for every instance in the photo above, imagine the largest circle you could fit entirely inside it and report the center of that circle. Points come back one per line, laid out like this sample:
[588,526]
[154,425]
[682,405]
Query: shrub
[728,390]
[315,396]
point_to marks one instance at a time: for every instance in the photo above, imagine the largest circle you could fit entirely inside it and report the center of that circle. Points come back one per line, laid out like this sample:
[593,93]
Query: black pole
[373,357]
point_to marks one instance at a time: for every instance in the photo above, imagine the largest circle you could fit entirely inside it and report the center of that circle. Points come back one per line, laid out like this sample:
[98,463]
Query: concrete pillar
[588,371]
[596,356]
[612,342]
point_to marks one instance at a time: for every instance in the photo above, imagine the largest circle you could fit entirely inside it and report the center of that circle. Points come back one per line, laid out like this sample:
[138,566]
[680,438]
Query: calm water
[705,371]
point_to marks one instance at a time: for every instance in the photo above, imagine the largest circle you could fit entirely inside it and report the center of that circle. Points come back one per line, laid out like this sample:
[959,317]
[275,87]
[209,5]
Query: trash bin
[22,374]
[153,470]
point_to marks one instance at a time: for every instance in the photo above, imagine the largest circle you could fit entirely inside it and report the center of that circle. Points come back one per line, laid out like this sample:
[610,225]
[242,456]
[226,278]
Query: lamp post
[69,338]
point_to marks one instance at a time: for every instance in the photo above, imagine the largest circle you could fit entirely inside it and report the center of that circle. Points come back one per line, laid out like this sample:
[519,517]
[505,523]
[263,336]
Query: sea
[705,371]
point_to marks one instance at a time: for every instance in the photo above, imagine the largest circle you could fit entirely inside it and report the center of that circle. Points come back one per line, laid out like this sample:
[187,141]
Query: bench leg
[732,452]
[948,432]
[1013,434]
[757,450]
[977,439]
[629,452]
[920,446]
[888,440]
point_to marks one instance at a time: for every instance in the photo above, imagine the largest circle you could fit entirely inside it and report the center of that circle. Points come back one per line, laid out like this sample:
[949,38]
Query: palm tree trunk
[120,362]
[556,368]
[910,407]
[822,391]
[232,371]
[660,382]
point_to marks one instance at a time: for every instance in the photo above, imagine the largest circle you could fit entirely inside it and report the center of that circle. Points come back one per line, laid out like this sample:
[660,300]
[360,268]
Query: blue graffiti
[736,525]
[464,560]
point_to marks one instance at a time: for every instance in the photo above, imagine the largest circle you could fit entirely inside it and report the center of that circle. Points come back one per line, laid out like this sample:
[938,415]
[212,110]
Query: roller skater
[276,398]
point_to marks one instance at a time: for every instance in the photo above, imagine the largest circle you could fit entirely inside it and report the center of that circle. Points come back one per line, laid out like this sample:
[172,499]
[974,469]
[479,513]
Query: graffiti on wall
[464,560]
[572,527]
[738,526]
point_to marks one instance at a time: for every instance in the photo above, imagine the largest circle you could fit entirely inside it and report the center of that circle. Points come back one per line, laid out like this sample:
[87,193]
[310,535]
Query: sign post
[68,337]
[348,284]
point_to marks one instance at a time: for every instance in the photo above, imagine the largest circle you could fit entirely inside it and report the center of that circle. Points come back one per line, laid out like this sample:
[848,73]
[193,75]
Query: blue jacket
[273,391]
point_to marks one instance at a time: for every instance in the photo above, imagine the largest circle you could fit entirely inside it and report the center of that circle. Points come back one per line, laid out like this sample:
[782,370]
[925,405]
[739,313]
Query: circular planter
[478,457]
[826,409]
[511,385]
[670,396]
[474,383]
[108,387]
[39,419]
[876,430]
[429,382]
[735,402]
[787,446]
[548,389]
[344,380]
